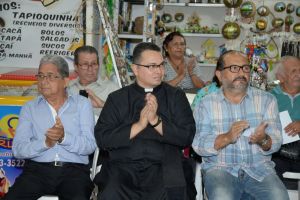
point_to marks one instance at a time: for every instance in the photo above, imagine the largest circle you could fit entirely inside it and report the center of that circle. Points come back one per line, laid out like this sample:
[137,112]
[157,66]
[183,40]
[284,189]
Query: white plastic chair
[198,181]
[293,194]
[95,168]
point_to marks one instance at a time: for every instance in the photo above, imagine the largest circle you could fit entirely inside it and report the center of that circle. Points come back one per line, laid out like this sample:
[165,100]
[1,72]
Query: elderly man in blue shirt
[237,130]
[55,135]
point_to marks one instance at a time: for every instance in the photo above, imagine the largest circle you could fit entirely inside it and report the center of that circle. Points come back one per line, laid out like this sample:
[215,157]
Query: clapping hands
[55,133]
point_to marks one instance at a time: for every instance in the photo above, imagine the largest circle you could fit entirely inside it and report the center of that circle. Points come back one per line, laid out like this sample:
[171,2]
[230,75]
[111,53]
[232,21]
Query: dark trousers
[283,165]
[135,181]
[69,182]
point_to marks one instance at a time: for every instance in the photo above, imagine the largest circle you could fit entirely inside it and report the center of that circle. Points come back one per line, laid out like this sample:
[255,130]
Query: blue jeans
[221,185]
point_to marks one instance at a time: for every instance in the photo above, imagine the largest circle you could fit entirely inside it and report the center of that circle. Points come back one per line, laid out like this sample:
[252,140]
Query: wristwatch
[61,140]
[157,123]
[264,141]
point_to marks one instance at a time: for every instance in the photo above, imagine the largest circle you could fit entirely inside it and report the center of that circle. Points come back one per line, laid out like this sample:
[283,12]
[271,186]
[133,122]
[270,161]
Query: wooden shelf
[206,65]
[174,4]
[209,5]
[202,35]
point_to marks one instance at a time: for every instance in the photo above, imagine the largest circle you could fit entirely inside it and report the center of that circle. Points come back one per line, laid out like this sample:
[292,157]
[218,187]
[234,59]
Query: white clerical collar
[148,90]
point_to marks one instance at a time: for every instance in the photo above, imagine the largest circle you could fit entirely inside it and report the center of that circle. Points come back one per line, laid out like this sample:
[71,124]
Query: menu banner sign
[30,29]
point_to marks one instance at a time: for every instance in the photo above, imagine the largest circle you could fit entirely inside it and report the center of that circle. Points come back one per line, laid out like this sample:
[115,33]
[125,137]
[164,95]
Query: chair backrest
[292,193]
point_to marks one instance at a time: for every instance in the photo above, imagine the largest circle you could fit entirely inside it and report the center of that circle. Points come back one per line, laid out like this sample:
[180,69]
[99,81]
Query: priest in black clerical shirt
[144,127]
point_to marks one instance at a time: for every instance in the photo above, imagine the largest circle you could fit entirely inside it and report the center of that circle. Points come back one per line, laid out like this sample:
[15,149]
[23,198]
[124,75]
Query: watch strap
[157,123]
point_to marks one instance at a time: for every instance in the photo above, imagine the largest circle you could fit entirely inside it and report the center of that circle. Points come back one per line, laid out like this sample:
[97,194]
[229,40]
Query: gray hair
[279,65]
[58,61]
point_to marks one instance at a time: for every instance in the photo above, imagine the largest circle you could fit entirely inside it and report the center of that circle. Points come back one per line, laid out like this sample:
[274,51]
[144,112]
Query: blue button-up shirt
[36,118]
[214,115]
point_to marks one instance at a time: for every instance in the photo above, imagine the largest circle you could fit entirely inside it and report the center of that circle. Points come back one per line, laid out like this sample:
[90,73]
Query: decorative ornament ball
[277,22]
[296,28]
[263,11]
[289,20]
[247,9]
[279,6]
[298,11]
[231,30]
[261,24]
[290,8]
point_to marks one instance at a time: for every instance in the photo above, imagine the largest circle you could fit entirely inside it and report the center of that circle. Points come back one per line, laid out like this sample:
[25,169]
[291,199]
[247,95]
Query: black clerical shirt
[123,108]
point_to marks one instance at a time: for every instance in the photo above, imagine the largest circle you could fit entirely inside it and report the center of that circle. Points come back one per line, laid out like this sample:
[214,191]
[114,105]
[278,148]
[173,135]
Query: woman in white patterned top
[180,71]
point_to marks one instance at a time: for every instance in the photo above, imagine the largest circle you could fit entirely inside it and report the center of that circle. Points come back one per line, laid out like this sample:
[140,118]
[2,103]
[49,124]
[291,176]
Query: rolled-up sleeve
[271,116]
[25,145]
[204,140]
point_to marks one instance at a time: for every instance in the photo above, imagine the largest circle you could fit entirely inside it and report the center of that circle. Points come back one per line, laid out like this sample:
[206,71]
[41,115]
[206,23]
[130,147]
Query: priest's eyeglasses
[236,68]
[152,67]
[49,77]
[85,66]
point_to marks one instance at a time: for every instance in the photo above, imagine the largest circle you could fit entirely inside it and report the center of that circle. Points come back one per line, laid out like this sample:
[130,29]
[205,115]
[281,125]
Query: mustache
[242,78]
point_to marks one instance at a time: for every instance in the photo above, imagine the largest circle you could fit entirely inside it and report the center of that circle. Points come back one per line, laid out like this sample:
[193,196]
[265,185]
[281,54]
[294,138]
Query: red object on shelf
[26,74]
[20,74]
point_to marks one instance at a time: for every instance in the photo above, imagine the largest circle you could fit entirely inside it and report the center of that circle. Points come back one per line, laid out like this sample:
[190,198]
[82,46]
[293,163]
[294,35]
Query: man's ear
[67,80]
[280,77]
[134,69]
[219,75]
[76,68]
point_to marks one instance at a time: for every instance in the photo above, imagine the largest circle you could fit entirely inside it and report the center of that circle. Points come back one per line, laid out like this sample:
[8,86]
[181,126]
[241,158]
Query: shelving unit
[194,40]
[209,15]
[138,9]
[203,35]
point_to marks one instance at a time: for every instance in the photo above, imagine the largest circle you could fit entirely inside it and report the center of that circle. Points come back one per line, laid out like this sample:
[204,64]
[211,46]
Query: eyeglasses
[236,68]
[85,66]
[152,67]
[49,77]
